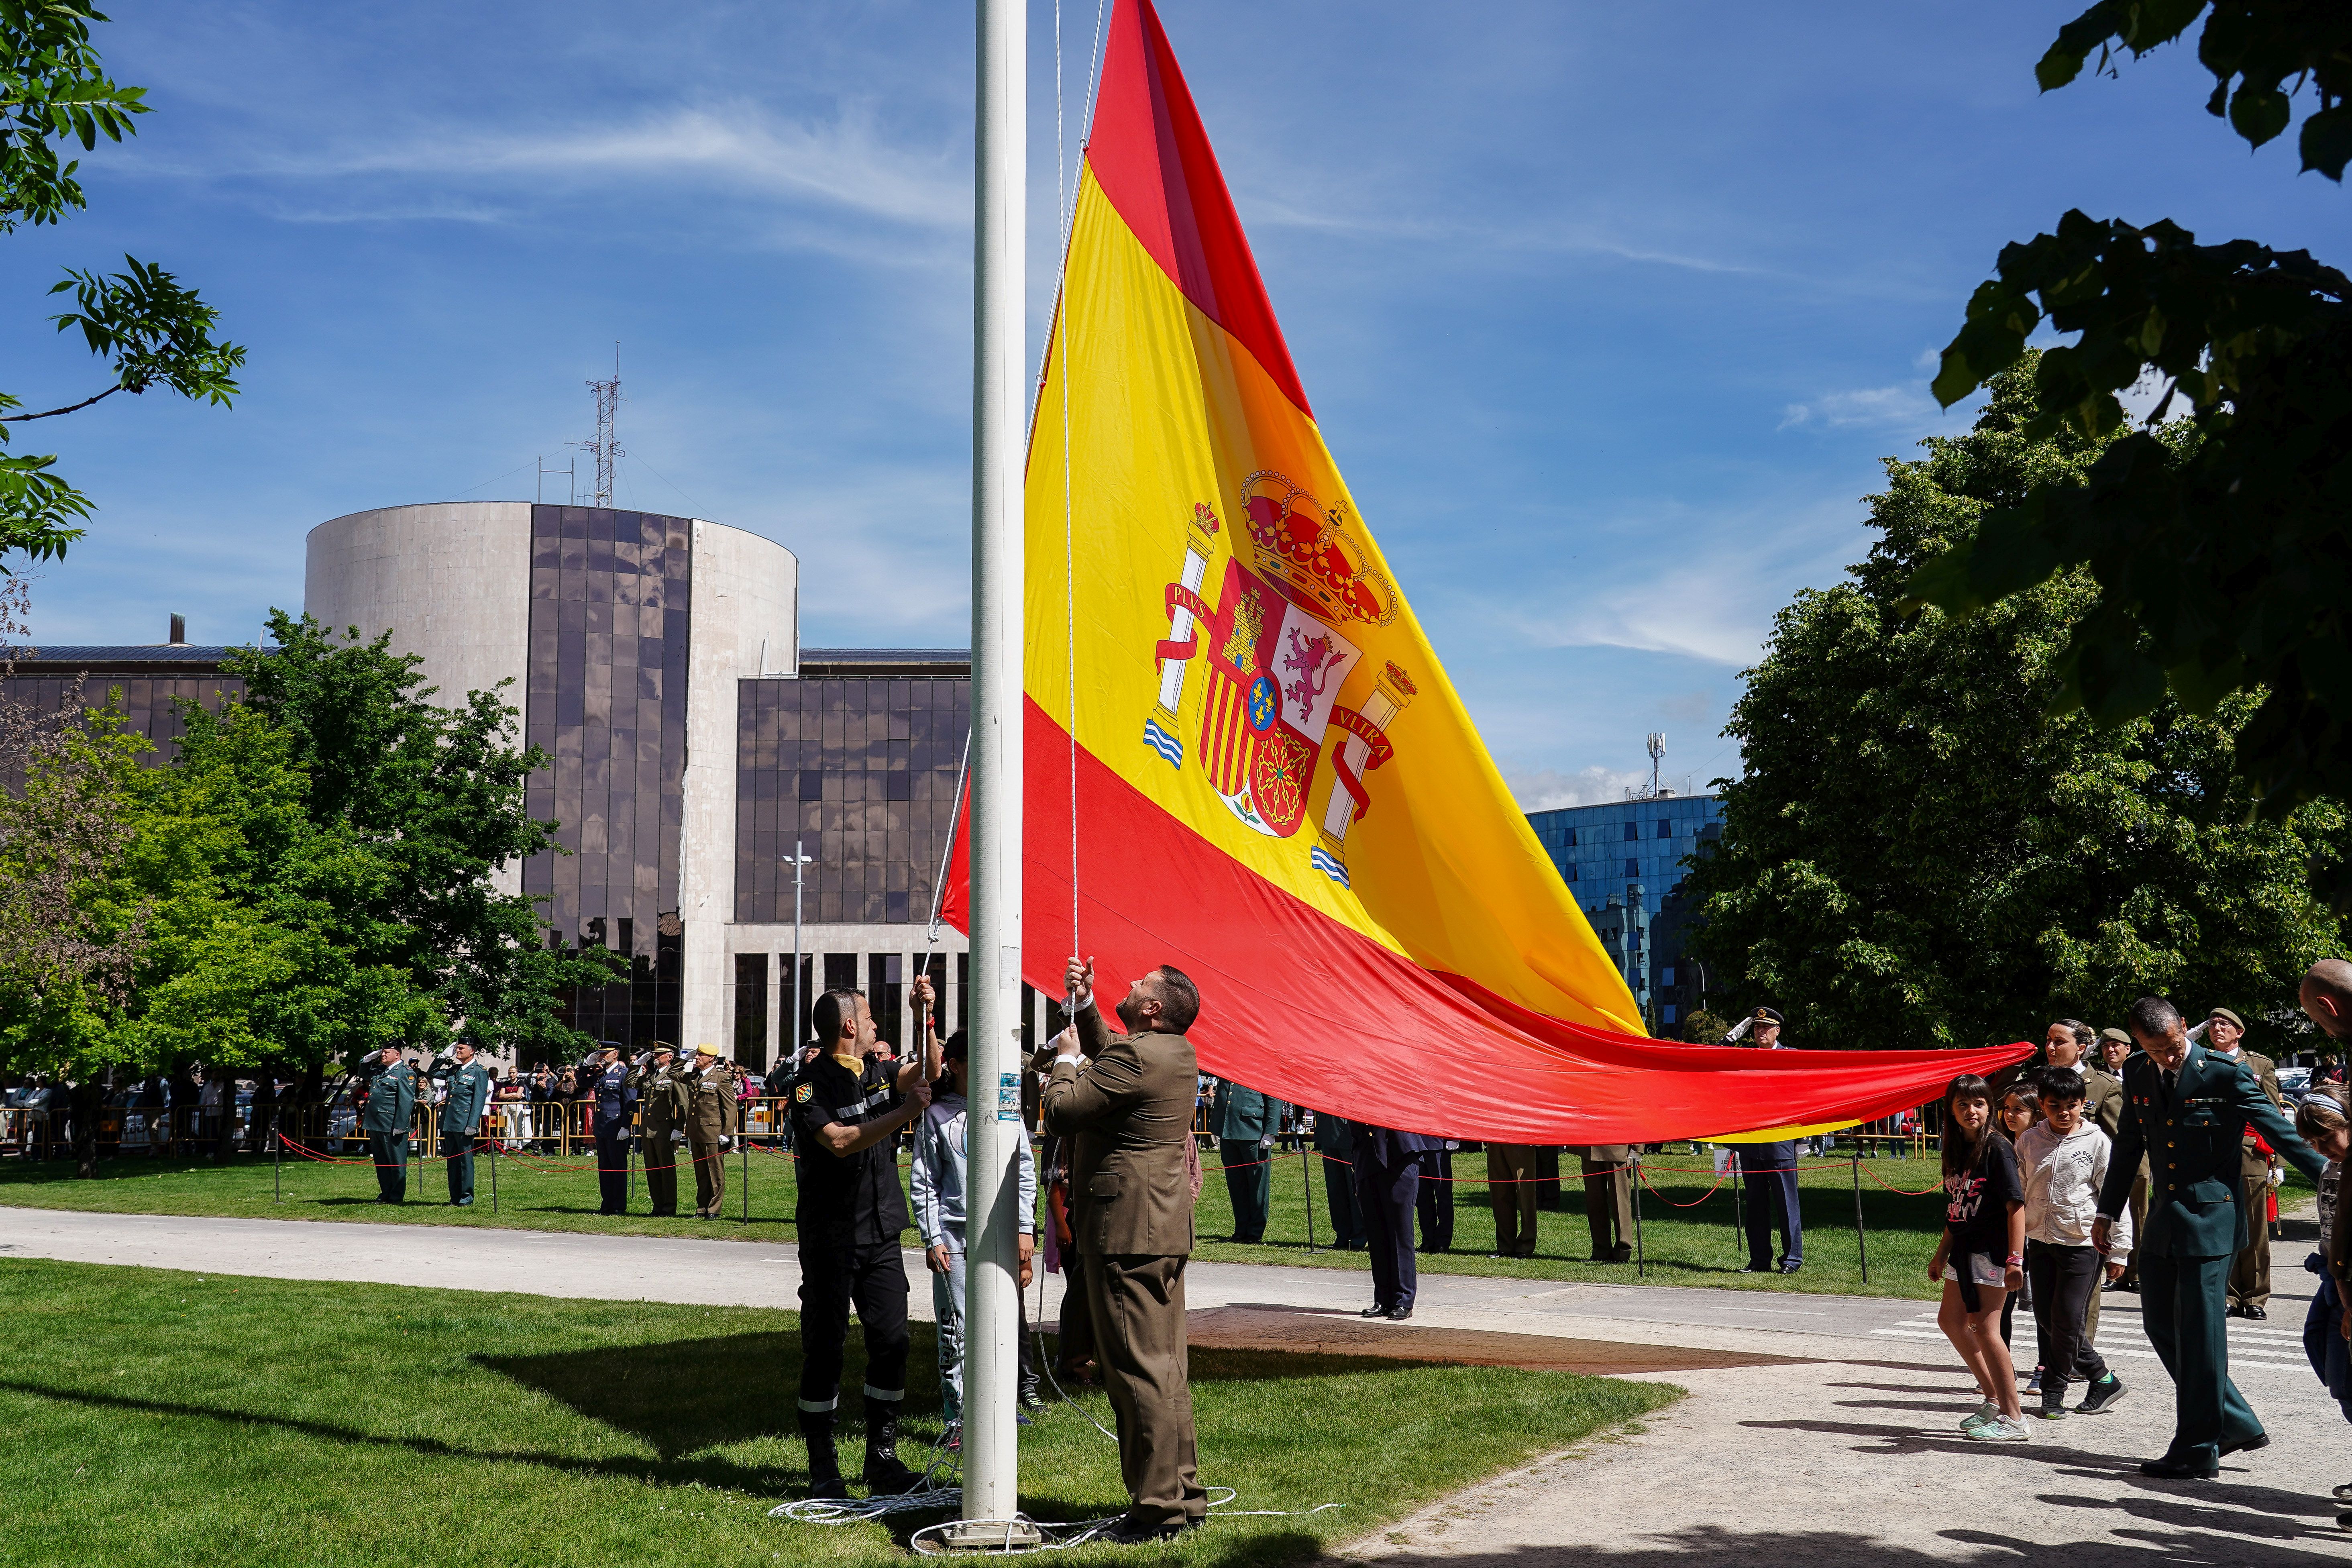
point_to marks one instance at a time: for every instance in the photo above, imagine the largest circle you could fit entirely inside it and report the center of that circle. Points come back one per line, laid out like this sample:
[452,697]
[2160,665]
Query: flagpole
[992,1312]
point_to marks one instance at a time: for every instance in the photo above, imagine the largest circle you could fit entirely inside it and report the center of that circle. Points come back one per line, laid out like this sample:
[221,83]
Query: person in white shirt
[2064,1158]
[938,1183]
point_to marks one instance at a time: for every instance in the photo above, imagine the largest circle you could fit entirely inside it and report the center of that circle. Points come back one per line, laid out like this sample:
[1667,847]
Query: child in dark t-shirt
[1981,1258]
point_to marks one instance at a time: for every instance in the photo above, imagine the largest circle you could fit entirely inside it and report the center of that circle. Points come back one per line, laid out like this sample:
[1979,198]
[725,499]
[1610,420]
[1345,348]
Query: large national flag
[1273,784]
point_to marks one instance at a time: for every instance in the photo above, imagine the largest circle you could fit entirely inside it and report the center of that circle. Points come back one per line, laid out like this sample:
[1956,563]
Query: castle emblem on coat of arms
[1297,582]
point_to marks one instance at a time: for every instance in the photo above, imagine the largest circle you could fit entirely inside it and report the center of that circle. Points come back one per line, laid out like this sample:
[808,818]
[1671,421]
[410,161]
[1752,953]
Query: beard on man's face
[1130,1012]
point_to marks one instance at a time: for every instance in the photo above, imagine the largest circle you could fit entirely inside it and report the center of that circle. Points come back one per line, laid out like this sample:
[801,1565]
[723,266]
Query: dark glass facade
[862,773]
[611,598]
[151,682]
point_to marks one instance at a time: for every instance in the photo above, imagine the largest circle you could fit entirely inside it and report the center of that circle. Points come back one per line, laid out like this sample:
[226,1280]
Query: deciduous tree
[1920,855]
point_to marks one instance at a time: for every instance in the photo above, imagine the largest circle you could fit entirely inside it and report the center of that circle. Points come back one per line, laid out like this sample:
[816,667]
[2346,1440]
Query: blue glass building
[1622,861]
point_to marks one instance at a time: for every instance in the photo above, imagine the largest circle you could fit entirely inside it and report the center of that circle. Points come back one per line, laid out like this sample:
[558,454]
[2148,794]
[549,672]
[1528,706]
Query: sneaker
[2100,1395]
[2054,1405]
[2000,1429]
[2033,1383]
[1988,1411]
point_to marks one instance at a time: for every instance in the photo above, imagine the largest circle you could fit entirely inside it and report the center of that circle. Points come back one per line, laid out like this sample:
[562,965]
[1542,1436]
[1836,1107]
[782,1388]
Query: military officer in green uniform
[662,1097]
[1246,1123]
[2185,1109]
[468,1099]
[391,1090]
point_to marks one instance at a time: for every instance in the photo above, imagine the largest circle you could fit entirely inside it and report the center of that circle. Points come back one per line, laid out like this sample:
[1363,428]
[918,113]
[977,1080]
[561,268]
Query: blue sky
[1608,313]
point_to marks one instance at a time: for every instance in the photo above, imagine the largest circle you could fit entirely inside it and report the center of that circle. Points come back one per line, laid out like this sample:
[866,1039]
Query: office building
[1624,862]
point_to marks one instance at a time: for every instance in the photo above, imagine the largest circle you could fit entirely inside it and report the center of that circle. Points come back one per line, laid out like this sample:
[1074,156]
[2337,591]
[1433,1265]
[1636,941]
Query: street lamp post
[799,862]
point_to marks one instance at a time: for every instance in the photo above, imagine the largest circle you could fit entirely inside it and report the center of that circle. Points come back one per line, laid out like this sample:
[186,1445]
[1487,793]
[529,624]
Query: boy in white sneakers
[2064,1159]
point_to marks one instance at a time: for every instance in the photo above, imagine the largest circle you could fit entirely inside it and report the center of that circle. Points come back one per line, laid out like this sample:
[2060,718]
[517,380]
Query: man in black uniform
[614,1100]
[845,1113]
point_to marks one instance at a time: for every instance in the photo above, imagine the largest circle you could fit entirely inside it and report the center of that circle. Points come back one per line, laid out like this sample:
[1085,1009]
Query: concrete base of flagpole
[981,1535]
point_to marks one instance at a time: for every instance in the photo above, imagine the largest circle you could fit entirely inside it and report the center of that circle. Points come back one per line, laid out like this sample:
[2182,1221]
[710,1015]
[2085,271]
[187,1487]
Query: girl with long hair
[1981,1256]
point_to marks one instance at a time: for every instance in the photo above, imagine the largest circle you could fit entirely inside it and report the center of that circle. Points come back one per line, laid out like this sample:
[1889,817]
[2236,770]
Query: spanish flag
[1275,787]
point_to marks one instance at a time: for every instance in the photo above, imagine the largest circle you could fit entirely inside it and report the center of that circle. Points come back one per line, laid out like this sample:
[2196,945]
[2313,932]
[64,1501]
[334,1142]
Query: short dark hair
[2151,1016]
[2061,1084]
[956,1047]
[833,1009]
[2085,1036]
[1180,999]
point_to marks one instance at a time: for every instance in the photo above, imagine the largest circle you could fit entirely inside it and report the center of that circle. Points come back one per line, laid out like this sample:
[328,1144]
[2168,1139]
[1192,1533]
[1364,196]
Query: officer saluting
[713,1114]
[391,1101]
[850,1211]
[468,1098]
[2186,1107]
[661,1124]
[612,1098]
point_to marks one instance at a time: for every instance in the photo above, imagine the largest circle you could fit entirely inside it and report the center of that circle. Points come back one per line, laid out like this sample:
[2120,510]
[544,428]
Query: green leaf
[2259,113]
[2326,141]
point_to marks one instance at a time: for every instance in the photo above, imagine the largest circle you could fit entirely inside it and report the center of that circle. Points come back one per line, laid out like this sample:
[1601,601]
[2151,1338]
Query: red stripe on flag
[1153,161]
[1299,1005]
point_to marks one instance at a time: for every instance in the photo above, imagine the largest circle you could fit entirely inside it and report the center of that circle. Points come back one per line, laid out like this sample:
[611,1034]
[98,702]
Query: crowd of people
[2144,1158]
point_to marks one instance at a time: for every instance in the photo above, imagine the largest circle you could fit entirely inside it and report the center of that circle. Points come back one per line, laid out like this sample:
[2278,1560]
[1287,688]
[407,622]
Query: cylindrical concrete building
[625,634]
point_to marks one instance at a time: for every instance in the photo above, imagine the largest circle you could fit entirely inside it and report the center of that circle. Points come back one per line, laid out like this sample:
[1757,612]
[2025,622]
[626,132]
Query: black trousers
[833,1275]
[612,1170]
[1435,1202]
[1386,1199]
[2064,1279]
[1340,1191]
[458,1148]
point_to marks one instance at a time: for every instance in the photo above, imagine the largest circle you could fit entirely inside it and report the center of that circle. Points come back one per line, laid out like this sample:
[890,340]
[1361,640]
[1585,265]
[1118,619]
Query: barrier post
[1739,1205]
[745,1139]
[494,1168]
[1641,1261]
[1307,1160]
[1860,1245]
[278,1168]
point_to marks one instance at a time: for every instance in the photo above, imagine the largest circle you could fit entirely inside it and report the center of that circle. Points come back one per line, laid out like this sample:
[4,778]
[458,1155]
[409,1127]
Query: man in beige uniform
[712,1121]
[1130,1116]
[2250,1277]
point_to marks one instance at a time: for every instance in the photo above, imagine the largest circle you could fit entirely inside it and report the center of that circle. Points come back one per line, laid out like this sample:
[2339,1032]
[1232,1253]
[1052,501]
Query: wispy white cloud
[1548,789]
[1688,708]
[848,162]
[1877,408]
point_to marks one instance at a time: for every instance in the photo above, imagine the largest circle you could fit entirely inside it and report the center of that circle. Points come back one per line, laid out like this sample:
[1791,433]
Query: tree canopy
[310,876]
[2220,569]
[1919,855]
[54,94]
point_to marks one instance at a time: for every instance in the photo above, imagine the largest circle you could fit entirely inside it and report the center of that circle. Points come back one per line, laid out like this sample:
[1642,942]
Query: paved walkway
[1821,1429]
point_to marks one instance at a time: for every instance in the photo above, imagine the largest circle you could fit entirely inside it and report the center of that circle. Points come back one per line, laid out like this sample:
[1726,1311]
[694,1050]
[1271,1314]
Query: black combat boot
[885,1476]
[825,1465]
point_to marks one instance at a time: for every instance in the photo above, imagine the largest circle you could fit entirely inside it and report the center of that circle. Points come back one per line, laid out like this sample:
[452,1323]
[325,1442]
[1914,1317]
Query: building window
[1665,828]
[751,1010]
[1669,1008]
[1632,867]
[885,995]
[1571,873]
[1632,831]
[1666,978]
[1571,838]
[808,991]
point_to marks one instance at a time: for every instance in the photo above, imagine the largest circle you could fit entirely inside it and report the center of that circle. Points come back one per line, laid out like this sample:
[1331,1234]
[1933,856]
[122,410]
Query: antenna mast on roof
[1657,761]
[605,446]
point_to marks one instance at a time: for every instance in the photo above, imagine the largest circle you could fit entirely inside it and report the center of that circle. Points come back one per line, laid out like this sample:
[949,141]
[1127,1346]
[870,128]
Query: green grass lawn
[1694,1245]
[165,1417]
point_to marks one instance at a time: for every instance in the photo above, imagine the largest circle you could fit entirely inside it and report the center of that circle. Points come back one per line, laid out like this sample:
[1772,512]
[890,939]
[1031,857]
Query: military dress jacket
[1130,1118]
[712,1110]
[469,1098]
[661,1101]
[2196,1192]
[2103,1100]
[1239,1114]
[391,1098]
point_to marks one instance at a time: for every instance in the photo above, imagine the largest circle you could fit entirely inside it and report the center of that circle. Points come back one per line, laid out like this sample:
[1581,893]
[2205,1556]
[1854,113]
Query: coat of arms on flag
[1274,653]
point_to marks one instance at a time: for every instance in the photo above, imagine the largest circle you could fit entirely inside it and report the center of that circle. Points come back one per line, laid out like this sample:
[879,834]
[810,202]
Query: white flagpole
[992,1311]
